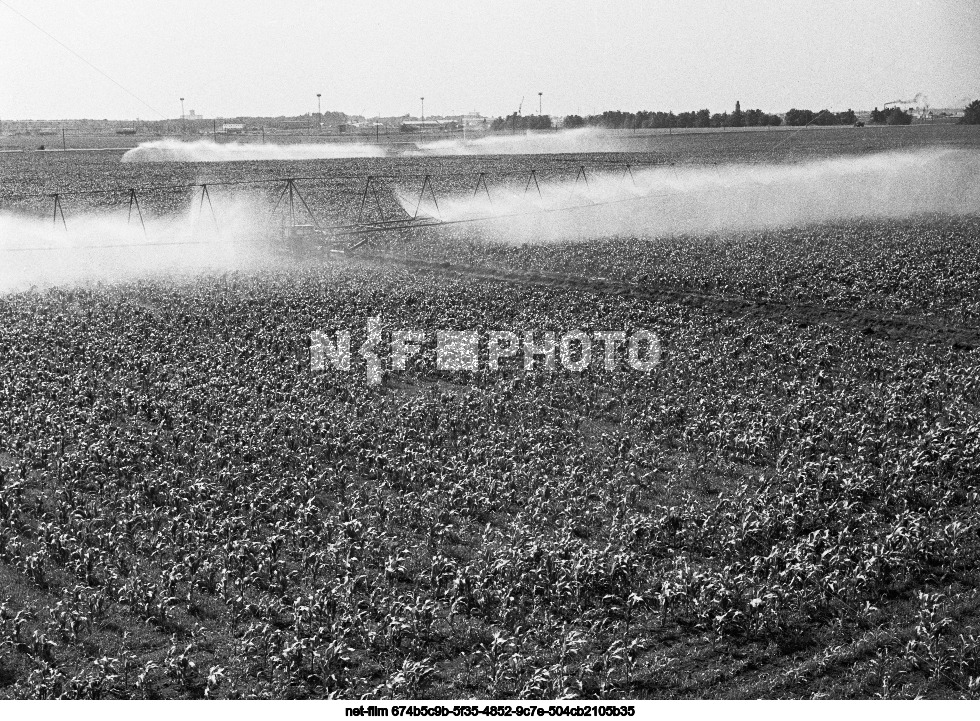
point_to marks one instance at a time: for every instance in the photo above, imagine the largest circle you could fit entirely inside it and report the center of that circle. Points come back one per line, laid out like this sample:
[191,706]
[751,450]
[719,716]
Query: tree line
[704,118]
[647,119]
[821,117]
[972,114]
[891,116]
[516,122]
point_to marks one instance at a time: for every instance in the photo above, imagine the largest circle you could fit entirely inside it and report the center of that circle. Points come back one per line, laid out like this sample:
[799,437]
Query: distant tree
[522,123]
[621,120]
[756,118]
[799,117]
[891,116]
[686,119]
[824,117]
[821,117]
[972,114]
[539,122]
[614,119]
[897,116]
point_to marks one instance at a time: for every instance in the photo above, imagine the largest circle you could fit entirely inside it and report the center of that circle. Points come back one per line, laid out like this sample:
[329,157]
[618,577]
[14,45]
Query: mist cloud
[580,140]
[207,151]
[668,200]
[107,247]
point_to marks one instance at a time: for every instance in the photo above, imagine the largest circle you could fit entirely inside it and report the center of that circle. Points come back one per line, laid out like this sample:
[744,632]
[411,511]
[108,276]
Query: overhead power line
[92,65]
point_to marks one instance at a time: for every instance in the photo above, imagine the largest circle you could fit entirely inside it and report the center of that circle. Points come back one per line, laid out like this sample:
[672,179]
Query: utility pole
[183,117]
[422,123]
[319,114]
[539,105]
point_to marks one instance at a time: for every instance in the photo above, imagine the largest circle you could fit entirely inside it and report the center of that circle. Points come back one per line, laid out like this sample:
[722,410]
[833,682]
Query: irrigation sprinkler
[369,186]
[482,178]
[205,195]
[58,209]
[533,176]
[311,238]
[427,181]
[292,191]
[630,171]
[134,200]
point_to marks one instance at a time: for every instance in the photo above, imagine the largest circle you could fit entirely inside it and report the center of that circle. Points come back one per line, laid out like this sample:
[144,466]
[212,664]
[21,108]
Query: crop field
[786,506]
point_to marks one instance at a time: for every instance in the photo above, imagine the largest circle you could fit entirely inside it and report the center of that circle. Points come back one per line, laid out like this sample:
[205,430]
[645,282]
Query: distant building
[192,116]
[475,120]
[233,128]
[410,126]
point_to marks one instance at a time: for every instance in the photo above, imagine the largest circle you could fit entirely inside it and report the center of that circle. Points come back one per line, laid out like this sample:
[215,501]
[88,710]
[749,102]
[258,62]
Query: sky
[249,57]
